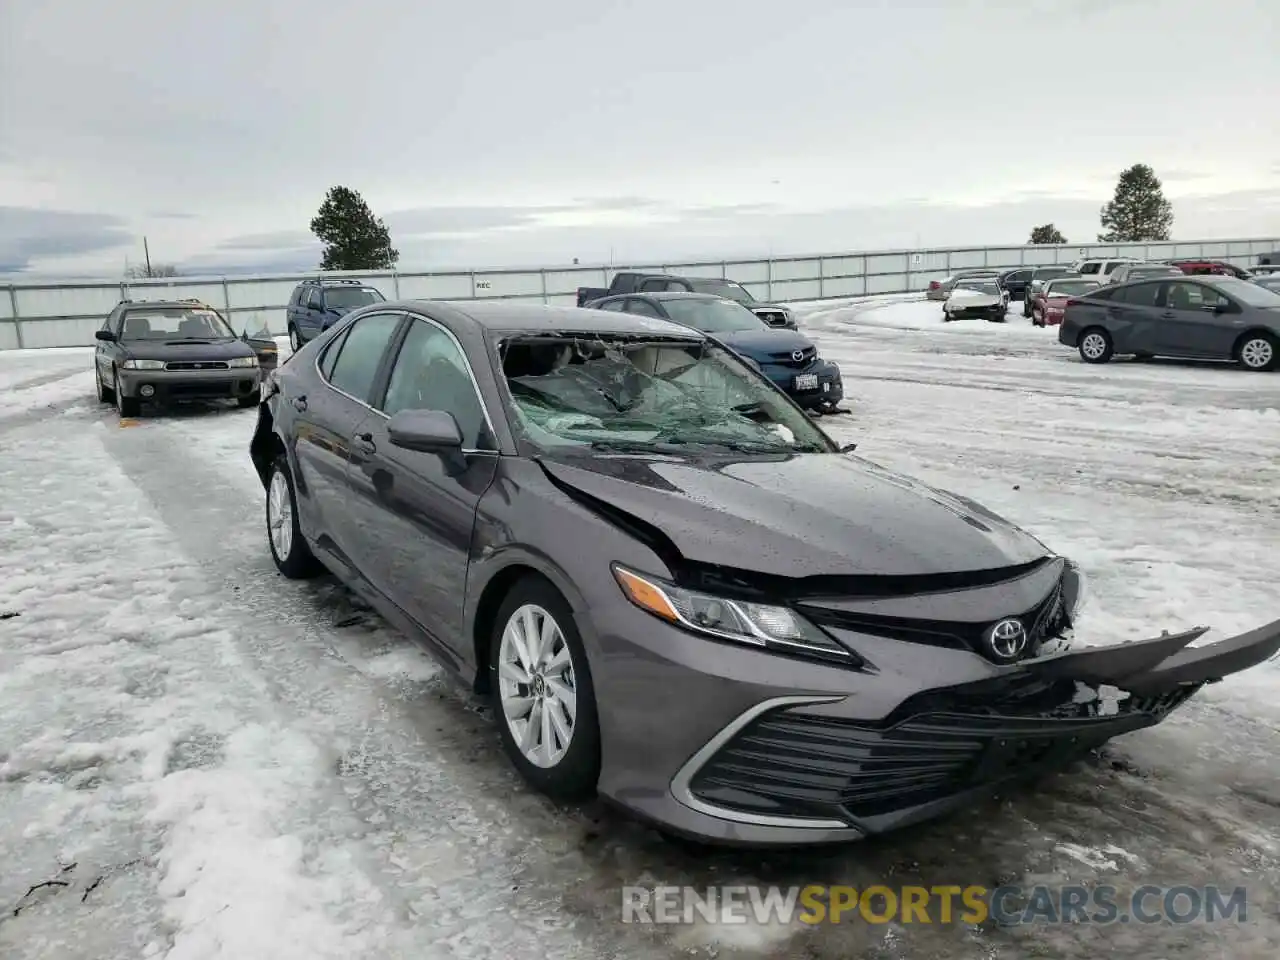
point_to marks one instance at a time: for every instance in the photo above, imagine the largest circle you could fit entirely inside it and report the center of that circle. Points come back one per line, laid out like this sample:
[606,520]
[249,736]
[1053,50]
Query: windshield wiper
[640,446]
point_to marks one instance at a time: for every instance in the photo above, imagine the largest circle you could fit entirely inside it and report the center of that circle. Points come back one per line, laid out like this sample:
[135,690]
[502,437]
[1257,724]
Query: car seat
[137,328]
[1180,298]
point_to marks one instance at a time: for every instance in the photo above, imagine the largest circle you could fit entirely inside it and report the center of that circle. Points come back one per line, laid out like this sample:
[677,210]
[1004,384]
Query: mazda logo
[1007,639]
[797,355]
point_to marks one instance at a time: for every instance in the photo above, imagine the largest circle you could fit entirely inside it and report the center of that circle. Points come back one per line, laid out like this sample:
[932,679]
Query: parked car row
[675,589]
[1202,317]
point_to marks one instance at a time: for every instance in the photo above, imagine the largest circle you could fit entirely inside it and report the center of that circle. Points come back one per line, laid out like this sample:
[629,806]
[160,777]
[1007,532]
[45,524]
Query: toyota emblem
[797,355]
[1007,639]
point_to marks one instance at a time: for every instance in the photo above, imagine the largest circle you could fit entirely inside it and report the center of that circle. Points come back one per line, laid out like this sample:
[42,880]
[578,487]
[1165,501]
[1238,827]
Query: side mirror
[425,431]
[106,336]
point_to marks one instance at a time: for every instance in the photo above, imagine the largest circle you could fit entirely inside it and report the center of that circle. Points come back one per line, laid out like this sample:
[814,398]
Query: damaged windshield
[648,396]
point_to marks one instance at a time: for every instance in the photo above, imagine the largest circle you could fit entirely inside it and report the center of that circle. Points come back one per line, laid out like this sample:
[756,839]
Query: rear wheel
[1095,346]
[295,341]
[543,699]
[1257,351]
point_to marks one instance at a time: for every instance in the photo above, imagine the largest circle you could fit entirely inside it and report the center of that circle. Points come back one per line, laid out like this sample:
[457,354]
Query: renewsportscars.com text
[1008,905]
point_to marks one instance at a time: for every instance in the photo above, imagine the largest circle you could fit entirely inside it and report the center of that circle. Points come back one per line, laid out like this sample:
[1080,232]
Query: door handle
[365,442]
[299,403]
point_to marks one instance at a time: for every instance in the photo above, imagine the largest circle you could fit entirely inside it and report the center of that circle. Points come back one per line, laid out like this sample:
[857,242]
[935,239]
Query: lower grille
[202,388]
[791,764]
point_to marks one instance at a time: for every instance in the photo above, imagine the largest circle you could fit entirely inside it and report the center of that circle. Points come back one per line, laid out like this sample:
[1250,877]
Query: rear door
[1133,316]
[327,418]
[412,514]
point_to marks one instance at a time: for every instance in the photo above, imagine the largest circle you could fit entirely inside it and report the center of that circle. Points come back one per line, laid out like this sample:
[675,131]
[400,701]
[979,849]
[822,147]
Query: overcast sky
[501,132]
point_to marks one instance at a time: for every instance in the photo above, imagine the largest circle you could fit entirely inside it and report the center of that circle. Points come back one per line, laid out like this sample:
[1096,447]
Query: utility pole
[147,253]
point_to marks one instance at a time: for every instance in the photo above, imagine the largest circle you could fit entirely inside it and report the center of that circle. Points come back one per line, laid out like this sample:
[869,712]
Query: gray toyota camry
[677,591]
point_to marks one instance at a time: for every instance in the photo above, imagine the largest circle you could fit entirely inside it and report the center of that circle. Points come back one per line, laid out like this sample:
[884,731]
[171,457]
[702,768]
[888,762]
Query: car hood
[177,350]
[805,515]
[759,305]
[760,342]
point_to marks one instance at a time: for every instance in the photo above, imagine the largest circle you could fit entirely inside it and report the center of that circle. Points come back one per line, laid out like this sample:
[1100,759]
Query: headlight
[243,362]
[1075,590]
[755,624]
[143,364]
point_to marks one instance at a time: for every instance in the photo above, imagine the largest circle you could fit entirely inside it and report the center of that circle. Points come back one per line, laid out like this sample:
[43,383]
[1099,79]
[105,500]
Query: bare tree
[142,271]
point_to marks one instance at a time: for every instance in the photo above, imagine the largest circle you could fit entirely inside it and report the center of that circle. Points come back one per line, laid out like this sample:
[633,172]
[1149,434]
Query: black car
[166,350]
[1209,317]
[786,357]
[675,589]
[316,305]
[1016,281]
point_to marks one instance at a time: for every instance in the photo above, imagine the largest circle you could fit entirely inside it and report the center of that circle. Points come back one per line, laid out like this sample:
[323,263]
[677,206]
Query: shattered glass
[650,396]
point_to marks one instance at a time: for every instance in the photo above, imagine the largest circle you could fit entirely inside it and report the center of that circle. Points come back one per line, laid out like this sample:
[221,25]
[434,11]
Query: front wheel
[1095,346]
[543,699]
[1257,352]
[126,406]
[105,393]
[295,341]
[289,549]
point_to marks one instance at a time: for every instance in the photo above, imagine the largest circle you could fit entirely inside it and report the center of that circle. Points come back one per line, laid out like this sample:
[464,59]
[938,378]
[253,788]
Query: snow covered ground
[203,760]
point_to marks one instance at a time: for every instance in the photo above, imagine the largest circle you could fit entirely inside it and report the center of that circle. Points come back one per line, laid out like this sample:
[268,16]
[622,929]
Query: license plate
[807,381]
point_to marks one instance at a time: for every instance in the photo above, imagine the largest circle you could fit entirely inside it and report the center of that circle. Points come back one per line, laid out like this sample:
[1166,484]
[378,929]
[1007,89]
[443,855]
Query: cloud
[166,215]
[1180,176]
[28,234]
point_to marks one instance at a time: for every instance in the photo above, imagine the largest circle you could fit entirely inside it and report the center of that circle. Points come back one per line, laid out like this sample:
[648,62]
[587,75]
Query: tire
[1095,345]
[288,547]
[1036,318]
[295,341]
[128,407]
[1258,351]
[568,772]
[105,393]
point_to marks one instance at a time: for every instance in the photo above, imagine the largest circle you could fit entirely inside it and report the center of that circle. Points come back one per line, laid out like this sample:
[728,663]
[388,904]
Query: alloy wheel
[280,515]
[1093,346]
[536,685]
[1257,354]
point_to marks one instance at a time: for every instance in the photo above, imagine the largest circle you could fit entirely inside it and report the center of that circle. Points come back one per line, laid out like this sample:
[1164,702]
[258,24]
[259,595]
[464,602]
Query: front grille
[787,763]
[1046,620]
[196,365]
[785,359]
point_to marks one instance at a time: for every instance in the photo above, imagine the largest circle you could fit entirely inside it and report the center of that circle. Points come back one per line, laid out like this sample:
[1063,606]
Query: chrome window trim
[475,385]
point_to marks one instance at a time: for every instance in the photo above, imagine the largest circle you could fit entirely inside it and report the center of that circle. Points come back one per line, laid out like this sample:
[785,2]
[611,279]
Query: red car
[1051,300]
[1200,268]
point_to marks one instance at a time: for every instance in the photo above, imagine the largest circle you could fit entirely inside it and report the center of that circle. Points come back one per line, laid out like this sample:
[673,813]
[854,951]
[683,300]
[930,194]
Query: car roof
[674,295]
[508,317]
[167,305]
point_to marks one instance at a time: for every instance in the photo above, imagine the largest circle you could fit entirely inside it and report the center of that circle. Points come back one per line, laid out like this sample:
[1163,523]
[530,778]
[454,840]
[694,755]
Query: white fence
[62,314]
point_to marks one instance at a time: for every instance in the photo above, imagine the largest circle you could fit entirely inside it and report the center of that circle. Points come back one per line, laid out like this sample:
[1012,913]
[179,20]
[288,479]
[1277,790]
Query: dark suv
[317,304]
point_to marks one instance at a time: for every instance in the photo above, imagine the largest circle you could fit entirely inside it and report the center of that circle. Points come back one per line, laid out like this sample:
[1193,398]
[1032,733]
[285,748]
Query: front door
[417,510]
[1198,321]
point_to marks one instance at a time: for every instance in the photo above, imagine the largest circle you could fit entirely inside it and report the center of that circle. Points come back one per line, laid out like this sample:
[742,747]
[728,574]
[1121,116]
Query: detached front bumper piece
[800,764]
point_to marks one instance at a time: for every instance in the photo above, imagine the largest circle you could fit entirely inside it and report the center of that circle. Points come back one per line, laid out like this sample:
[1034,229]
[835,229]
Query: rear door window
[1088,268]
[361,355]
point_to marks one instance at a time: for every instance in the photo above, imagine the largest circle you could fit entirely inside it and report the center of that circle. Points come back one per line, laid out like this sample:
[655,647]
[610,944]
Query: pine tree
[353,238]
[1139,210]
[1047,233]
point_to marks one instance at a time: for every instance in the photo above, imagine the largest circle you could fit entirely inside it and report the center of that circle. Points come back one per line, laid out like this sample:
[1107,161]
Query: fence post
[226,299]
[542,272]
[395,283]
[822,273]
[13,309]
